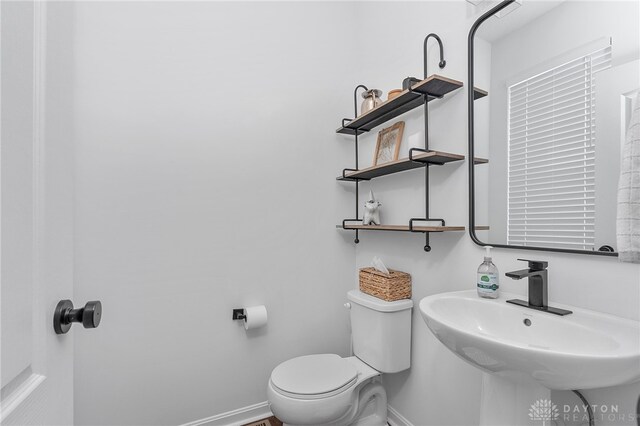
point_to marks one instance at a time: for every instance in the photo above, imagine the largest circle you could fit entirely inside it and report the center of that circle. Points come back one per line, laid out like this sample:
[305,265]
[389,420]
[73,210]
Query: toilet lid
[314,374]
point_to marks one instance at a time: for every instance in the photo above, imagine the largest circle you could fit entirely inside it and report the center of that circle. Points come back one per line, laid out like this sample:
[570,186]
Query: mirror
[561,78]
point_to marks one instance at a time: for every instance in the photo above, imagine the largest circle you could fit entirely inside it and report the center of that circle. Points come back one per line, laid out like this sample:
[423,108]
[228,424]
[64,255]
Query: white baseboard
[261,410]
[237,417]
[396,419]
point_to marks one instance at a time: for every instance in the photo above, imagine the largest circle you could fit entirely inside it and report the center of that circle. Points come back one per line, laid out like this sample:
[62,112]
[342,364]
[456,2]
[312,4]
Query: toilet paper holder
[239,314]
[251,316]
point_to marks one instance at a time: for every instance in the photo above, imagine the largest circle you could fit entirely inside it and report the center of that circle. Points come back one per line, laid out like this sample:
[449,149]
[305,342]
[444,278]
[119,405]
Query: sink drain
[527,322]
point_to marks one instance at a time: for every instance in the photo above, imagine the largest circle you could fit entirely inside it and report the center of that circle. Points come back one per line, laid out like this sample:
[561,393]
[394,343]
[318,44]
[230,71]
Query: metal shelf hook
[442,62]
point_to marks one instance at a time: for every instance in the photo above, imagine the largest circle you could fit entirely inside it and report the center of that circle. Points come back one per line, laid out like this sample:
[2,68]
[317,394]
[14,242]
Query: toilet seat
[314,376]
[345,376]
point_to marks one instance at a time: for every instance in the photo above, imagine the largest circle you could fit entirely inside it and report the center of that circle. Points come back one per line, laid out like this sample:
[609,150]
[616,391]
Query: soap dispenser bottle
[488,278]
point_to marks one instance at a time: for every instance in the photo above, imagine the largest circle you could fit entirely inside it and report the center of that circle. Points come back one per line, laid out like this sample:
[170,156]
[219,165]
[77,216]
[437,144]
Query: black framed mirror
[562,78]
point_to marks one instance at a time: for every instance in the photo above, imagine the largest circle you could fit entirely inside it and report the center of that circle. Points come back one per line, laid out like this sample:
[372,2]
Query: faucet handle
[537,265]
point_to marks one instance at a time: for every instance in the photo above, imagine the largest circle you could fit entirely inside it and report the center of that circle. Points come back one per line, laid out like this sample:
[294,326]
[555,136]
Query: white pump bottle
[488,282]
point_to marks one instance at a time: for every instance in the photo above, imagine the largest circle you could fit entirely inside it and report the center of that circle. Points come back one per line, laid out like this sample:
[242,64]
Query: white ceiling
[496,28]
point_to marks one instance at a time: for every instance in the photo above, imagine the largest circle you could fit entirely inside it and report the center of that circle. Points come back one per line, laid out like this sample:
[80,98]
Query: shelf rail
[427,218]
[355,114]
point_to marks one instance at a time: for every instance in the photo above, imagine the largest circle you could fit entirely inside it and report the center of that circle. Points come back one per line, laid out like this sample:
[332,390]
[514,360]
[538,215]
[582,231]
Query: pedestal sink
[531,349]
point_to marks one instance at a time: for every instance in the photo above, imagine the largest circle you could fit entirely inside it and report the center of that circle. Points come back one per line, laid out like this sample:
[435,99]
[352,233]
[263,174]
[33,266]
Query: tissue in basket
[393,286]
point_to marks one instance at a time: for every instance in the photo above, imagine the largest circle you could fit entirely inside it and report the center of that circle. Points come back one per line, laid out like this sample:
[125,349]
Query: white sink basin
[582,350]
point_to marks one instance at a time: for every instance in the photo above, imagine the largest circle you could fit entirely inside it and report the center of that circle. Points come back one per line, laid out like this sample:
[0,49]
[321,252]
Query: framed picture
[388,145]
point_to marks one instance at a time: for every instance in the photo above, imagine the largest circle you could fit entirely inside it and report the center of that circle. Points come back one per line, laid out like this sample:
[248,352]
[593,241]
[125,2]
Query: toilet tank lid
[363,299]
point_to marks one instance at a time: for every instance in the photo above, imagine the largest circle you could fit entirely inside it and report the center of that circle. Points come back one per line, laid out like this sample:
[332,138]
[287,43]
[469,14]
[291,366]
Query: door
[36,251]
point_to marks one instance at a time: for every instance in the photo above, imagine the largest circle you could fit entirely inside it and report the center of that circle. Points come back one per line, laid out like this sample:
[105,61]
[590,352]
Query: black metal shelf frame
[355,114]
[441,64]
[422,97]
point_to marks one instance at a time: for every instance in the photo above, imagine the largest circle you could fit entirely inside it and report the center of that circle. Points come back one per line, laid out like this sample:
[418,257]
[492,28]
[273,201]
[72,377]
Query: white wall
[205,162]
[188,117]
[440,389]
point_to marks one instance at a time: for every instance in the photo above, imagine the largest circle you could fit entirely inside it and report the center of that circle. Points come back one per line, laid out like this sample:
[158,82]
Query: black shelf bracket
[424,151]
[441,64]
[427,245]
[354,179]
[344,222]
[430,96]
[423,219]
[357,131]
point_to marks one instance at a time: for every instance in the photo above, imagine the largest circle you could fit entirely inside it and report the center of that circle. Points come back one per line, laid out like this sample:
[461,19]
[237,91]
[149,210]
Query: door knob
[64,315]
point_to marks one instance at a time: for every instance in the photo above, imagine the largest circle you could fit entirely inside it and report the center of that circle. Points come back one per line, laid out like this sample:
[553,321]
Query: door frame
[27,397]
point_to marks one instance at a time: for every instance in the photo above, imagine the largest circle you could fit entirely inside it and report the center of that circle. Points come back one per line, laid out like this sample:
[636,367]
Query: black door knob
[64,315]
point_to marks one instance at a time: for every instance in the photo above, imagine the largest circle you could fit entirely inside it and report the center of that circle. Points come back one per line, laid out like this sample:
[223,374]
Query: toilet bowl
[327,389]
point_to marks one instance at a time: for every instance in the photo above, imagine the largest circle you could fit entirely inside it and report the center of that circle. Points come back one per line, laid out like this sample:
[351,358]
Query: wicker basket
[393,286]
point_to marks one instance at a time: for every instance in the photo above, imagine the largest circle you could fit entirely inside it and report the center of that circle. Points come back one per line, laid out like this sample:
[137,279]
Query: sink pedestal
[524,352]
[507,399]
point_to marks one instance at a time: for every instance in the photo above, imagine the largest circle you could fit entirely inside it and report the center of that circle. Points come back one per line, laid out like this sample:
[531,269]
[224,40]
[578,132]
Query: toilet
[326,389]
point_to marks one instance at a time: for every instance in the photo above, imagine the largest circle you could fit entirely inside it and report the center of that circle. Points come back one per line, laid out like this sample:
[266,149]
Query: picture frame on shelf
[388,144]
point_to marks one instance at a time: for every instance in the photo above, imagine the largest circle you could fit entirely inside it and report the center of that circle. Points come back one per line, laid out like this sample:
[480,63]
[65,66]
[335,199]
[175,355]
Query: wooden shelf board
[479,93]
[434,85]
[419,160]
[480,160]
[401,228]
[405,228]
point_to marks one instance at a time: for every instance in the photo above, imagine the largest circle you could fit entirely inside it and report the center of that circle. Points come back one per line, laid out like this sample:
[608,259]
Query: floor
[270,421]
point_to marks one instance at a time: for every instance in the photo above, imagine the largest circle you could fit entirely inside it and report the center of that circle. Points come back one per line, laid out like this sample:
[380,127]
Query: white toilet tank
[381,331]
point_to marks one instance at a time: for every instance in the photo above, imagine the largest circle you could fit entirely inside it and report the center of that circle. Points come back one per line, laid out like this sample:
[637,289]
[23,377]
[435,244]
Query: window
[551,135]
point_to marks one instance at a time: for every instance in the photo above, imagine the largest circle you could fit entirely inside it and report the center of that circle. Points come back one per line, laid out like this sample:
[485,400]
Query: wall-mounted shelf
[405,228]
[479,93]
[419,160]
[416,161]
[434,86]
[421,93]
[402,228]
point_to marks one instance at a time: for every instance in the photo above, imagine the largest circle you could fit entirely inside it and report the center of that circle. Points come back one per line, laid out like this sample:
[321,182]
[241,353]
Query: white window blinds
[551,134]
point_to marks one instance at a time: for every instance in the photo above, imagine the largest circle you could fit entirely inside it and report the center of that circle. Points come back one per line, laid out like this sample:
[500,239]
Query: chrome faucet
[538,283]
